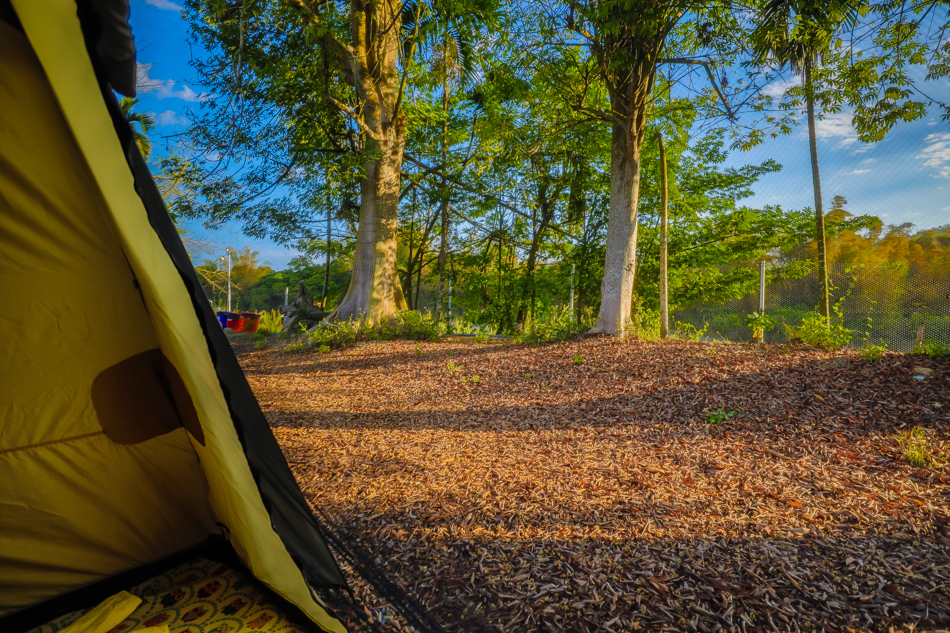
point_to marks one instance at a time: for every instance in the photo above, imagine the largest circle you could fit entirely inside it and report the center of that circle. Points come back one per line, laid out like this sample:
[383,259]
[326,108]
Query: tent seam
[51,442]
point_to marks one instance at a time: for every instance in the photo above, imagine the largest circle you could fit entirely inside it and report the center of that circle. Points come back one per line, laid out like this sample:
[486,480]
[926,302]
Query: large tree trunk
[824,304]
[620,259]
[375,293]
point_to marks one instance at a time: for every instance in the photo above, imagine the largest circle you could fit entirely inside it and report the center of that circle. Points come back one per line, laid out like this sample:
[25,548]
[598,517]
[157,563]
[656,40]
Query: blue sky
[904,178]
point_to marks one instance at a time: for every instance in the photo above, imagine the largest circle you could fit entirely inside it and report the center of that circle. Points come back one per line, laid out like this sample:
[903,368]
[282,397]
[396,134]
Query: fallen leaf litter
[549,494]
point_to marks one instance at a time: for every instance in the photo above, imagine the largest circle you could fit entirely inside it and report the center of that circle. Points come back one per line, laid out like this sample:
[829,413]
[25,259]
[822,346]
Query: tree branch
[712,78]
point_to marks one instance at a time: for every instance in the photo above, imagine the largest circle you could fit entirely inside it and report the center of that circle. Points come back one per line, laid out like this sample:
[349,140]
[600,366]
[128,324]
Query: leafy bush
[334,335]
[465,325]
[873,351]
[933,349]
[406,325]
[760,323]
[272,322]
[296,346]
[557,326]
[815,330]
[417,326]
[688,331]
[645,324]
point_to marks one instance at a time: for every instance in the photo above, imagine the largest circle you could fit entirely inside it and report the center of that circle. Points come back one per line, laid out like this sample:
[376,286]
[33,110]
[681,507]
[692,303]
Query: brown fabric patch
[143,397]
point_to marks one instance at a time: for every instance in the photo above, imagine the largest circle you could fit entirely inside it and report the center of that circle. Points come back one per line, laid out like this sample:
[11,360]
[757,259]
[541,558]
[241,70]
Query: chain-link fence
[884,305]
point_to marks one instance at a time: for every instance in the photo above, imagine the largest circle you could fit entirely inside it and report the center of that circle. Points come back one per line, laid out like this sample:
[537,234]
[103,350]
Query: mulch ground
[583,487]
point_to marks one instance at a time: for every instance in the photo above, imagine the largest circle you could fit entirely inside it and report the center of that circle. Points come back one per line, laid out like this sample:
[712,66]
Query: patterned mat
[201,596]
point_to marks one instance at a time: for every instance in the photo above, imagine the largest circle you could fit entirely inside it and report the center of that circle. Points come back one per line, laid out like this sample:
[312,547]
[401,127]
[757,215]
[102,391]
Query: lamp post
[228,251]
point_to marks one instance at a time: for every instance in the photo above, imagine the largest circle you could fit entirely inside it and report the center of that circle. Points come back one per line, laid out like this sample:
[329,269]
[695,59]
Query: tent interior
[129,435]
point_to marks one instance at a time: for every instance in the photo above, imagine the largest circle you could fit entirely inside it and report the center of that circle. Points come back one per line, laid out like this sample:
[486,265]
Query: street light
[228,251]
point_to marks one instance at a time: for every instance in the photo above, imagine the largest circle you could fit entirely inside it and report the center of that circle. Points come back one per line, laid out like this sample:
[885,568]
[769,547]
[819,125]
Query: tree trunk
[620,258]
[375,293]
[443,250]
[824,304]
[370,65]
[326,273]
[664,221]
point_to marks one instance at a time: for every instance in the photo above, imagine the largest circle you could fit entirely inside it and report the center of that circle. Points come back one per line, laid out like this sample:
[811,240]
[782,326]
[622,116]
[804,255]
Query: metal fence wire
[884,305]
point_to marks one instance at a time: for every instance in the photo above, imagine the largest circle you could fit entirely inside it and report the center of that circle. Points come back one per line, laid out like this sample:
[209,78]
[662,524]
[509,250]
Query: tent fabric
[94,279]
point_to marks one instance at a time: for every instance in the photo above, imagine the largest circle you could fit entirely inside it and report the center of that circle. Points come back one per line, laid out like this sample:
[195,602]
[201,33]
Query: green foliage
[815,330]
[873,352]
[417,326]
[688,331]
[297,346]
[481,337]
[933,349]
[918,449]
[720,415]
[335,335]
[409,325]
[260,344]
[272,322]
[452,369]
[556,326]
[324,349]
[578,359]
[763,320]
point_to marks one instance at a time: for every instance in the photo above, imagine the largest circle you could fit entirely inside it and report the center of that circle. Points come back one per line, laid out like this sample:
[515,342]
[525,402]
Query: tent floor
[204,590]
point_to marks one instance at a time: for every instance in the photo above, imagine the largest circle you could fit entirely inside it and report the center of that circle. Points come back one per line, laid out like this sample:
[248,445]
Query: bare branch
[712,78]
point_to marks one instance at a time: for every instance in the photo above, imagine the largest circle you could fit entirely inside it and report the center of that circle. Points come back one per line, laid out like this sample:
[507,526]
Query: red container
[235,321]
[250,322]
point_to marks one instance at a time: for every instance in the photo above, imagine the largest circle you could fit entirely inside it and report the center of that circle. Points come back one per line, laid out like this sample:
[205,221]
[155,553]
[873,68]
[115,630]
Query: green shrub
[645,324]
[416,326]
[334,335]
[557,326]
[873,351]
[272,322]
[688,331]
[760,323]
[579,359]
[296,346]
[933,349]
[815,330]
[481,338]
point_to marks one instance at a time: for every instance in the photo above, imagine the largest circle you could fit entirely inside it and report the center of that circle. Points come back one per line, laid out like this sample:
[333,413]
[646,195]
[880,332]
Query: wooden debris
[547,495]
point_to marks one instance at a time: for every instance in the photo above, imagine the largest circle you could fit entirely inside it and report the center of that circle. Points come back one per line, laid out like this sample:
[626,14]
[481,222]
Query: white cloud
[936,154]
[778,87]
[858,172]
[837,127]
[868,161]
[165,5]
[163,88]
[170,117]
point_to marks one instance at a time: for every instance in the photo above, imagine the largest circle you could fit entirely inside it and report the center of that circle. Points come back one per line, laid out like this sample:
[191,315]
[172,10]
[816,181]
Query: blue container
[223,318]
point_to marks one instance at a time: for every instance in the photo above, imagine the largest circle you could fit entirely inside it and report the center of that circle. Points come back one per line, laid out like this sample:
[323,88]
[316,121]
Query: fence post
[762,294]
